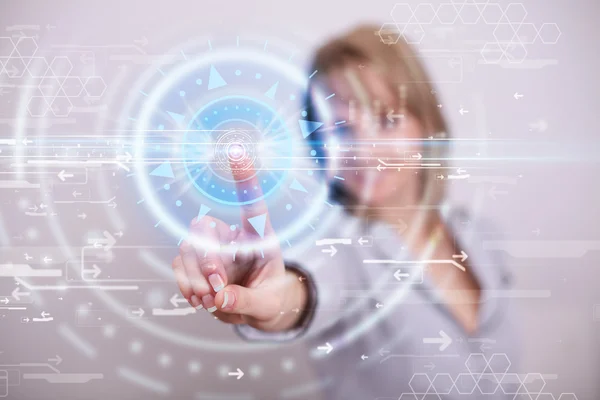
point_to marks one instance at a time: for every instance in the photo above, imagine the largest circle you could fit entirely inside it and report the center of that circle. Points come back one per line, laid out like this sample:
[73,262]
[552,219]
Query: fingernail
[195,301]
[216,282]
[228,300]
[209,303]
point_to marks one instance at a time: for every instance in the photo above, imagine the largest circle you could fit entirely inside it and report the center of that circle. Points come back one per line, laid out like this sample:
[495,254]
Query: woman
[419,342]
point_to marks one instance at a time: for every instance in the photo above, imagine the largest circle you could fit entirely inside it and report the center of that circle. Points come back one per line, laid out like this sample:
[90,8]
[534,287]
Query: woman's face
[370,153]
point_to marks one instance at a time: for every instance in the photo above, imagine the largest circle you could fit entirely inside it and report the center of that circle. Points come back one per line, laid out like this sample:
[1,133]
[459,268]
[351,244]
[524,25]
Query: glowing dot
[304,113]
[212,186]
[215,112]
[288,364]
[310,172]
[182,93]
[232,227]
[178,203]
[224,371]
[255,371]
[167,186]
[213,224]
[194,367]
[264,181]
[236,151]
[238,72]
[198,81]
[245,191]
[164,360]
[161,127]
[109,331]
[206,118]
[288,207]
[292,97]
[135,347]
[247,109]
[313,152]
[258,76]
[233,192]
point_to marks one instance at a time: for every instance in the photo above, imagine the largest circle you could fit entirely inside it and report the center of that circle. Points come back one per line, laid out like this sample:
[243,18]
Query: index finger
[255,215]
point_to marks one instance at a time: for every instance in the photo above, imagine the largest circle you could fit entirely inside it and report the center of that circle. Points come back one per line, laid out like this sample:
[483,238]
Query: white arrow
[4,300]
[383,352]
[45,314]
[517,95]
[399,275]
[82,216]
[378,305]
[463,256]
[62,175]
[112,205]
[462,111]
[139,312]
[327,348]
[362,241]
[176,300]
[108,241]
[76,193]
[444,341]
[391,116]
[43,206]
[331,250]
[417,156]
[380,168]
[493,192]
[16,294]
[460,170]
[47,259]
[56,360]
[239,374]
[34,208]
[430,366]
[118,234]
[95,271]
[363,357]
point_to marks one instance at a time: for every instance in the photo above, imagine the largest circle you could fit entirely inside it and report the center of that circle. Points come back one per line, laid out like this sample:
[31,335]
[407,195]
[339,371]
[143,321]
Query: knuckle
[177,262]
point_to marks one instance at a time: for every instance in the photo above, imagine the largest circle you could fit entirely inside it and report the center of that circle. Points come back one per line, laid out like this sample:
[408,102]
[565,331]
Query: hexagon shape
[72,86]
[534,383]
[469,14]
[546,396]
[60,66]
[37,106]
[424,13]
[487,384]
[389,33]
[26,46]
[36,66]
[442,383]
[510,383]
[408,396]
[526,33]
[447,13]
[515,53]
[431,396]
[549,33]
[7,46]
[402,13]
[499,363]
[49,87]
[515,13]
[492,13]
[413,33]
[465,383]
[567,396]
[14,67]
[94,86]
[504,33]
[476,364]
[2,61]
[61,106]
[419,383]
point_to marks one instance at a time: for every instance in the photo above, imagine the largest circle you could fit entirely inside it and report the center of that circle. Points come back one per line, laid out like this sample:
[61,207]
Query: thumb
[259,303]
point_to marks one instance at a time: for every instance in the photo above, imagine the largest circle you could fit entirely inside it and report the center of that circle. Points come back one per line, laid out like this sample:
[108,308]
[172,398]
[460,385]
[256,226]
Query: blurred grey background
[549,192]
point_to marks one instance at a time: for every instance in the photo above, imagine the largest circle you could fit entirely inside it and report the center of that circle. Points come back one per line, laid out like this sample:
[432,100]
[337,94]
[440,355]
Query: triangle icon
[271,92]
[308,127]
[258,223]
[203,211]
[296,185]
[177,117]
[215,80]
[164,170]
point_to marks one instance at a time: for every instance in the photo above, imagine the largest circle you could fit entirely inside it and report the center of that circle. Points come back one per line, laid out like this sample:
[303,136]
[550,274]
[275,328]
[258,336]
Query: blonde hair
[403,73]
